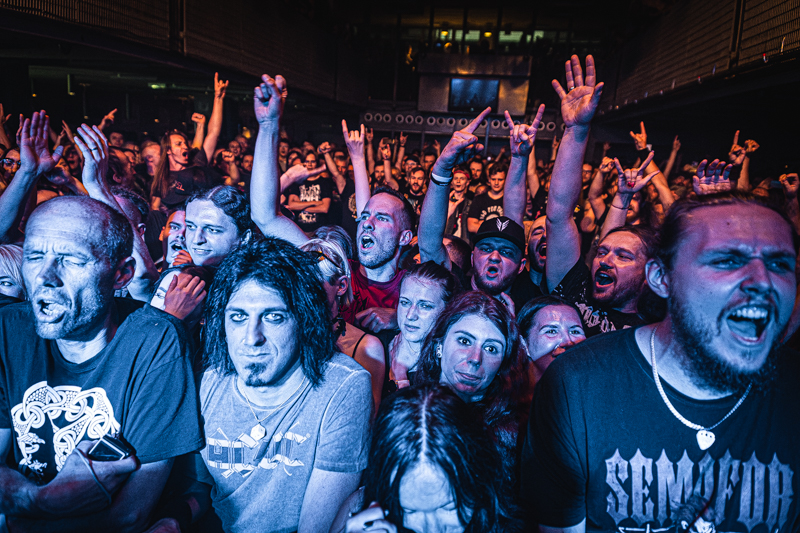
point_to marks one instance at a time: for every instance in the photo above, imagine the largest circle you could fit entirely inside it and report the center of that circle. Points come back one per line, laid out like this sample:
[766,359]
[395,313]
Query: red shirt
[368,293]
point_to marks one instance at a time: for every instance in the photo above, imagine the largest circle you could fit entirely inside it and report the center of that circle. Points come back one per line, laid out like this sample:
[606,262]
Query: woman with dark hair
[474,349]
[548,326]
[424,292]
[217,221]
[432,468]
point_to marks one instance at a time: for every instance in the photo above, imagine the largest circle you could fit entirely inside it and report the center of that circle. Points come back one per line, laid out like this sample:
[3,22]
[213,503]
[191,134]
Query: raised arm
[265,179]
[340,181]
[597,187]
[215,122]
[94,146]
[577,109]
[368,135]
[199,120]
[463,145]
[35,160]
[631,181]
[401,151]
[750,146]
[355,147]
[108,120]
[712,177]
[660,179]
[521,140]
[673,156]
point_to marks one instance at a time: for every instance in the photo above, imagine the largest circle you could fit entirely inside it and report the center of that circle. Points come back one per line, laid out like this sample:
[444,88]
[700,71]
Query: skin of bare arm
[521,139]
[577,109]
[265,179]
[215,122]
[630,182]
[355,147]
[433,217]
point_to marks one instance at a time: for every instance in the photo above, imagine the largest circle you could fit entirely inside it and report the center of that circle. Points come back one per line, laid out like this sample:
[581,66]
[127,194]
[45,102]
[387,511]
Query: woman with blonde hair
[11,283]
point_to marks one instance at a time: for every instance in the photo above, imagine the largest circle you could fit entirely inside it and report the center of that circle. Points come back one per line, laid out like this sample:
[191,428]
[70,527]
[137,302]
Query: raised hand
[94,147]
[324,148]
[369,135]
[736,153]
[676,144]
[32,137]
[463,145]
[219,86]
[522,136]
[403,138]
[640,139]
[580,103]
[354,141]
[437,146]
[751,146]
[228,157]
[631,180]
[606,166]
[3,117]
[198,118]
[790,184]
[385,151]
[268,99]
[713,177]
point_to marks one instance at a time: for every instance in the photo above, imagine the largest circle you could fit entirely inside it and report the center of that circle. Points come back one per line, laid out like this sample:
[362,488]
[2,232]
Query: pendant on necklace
[705,439]
[258,432]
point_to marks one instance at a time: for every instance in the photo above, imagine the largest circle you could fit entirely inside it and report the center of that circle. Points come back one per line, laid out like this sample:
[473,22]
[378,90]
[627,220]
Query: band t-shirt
[139,386]
[576,287]
[259,475]
[368,293]
[311,191]
[183,183]
[484,207]
[603,445]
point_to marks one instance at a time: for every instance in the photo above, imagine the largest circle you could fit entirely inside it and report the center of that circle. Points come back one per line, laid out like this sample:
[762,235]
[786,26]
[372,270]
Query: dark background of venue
[701,68]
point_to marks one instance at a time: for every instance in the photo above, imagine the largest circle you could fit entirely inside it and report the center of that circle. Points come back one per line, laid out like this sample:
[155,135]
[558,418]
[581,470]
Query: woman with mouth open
[474,349]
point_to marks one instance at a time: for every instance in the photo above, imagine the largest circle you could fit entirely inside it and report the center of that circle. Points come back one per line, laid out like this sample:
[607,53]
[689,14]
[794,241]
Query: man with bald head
[76,365]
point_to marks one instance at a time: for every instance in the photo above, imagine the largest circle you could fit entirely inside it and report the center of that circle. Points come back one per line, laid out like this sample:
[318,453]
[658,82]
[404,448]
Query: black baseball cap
[503,228]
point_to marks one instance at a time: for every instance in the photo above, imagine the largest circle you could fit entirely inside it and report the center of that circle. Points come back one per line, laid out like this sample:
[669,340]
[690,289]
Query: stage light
[487,34]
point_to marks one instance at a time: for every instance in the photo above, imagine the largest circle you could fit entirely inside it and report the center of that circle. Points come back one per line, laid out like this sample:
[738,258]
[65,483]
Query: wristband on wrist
[441,180]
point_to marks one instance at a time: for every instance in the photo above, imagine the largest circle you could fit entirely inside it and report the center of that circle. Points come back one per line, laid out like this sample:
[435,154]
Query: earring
[439,351]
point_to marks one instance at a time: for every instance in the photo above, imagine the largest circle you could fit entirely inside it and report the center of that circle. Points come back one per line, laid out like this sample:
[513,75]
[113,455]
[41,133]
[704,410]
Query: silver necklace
[258,432]
[705,438]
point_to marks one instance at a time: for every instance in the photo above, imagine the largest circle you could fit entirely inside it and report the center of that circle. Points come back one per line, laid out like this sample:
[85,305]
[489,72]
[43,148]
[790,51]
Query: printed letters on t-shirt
[652,489]
[309,192]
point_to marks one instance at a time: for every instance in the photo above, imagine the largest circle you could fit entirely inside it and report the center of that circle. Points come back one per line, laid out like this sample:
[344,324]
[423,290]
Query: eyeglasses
[11,162]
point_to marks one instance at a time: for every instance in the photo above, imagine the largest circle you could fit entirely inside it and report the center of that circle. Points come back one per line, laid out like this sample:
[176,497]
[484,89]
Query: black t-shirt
[602,445]
[183,183]
[484,207]
[348,206]
[415,200]
[311,191]
[576,287]
[523,290]
[140,386]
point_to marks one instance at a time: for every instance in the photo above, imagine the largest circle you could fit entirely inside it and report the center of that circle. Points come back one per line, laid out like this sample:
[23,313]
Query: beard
[380,254]
[496,286]
[254,378]
[623,293]
[709,368]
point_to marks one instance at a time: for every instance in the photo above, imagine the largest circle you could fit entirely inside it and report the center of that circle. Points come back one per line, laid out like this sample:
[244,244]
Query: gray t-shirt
[259,483]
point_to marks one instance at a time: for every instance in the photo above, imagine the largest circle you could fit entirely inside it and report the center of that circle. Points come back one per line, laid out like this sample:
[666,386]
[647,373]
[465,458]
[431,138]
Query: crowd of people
[269,335]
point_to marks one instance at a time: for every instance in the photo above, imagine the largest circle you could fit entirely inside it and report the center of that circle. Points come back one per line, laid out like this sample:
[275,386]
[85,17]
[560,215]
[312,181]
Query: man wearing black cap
[499,254]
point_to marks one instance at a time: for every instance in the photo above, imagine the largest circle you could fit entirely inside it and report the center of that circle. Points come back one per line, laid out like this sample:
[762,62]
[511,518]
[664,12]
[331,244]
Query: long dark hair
[431,424]
[293,274]
[511,382]
[230,201]
[160,186]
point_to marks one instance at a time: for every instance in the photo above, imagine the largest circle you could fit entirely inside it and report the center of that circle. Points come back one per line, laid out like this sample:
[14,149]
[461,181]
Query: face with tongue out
[731,290]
